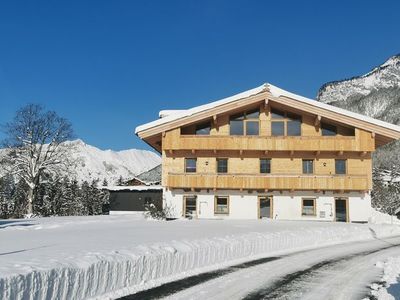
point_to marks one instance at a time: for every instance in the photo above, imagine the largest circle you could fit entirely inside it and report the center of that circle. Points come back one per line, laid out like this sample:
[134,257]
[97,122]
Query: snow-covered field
[110,256]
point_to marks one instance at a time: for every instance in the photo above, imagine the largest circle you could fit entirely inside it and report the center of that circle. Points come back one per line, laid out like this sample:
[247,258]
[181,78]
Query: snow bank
[382,218]
[111,256]
[390,287]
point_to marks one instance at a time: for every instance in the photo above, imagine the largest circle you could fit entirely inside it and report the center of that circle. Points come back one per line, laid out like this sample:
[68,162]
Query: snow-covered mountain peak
[93,163]
[375,94]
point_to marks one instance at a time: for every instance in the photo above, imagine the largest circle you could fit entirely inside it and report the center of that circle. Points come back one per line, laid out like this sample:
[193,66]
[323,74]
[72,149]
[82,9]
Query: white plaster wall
[286,206]
[359,207]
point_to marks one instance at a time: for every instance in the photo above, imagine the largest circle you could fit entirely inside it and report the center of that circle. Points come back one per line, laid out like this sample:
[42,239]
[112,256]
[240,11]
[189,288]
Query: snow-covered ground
[110,256]
[389,288]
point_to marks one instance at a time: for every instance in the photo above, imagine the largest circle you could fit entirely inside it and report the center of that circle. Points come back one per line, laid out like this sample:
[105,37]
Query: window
[278,128]
[340,166]
[285,123]
[308,166]
[246,123]
[190,206]
[265,165]
[308,207]
[221,205]
[203,129]
[328,130]
[252,128]
[190,165]
[222,165]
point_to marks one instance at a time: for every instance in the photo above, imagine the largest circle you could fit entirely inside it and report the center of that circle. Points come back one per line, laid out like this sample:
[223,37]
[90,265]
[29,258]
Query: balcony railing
[268,181]
[271,143]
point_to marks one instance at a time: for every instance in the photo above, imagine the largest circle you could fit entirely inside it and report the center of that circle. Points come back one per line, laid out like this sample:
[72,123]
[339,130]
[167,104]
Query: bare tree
[35,147]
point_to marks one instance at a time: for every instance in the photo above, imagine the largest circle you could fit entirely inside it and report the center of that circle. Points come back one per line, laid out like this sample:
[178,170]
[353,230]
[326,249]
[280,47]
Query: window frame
[227,205]
[186,160]
[328,125]
[217,166]
[270,165]
[314,207]
[285,120]
[200,126]
[345,166]
[245,120]
[184,205]
[313,166]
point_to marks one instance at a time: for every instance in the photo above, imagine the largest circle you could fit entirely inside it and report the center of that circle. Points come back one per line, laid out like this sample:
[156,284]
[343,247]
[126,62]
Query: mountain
[375,94]
[110,165]
[93,163]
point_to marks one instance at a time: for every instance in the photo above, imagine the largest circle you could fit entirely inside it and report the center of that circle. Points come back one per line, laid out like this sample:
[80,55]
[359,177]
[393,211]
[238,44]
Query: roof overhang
[385,132]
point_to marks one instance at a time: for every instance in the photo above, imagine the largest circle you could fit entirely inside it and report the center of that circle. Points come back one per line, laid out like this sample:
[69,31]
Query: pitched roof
[152,175]
[279,95]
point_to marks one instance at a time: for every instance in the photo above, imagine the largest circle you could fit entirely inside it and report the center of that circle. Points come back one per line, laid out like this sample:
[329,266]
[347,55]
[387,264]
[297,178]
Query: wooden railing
[268,181]
[286,143]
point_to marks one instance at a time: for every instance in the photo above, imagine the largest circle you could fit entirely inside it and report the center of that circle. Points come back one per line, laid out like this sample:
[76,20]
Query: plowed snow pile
[110,256]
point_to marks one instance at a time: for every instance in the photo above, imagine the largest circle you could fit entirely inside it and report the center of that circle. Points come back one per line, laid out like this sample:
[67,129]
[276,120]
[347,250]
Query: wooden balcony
[270,143]
[268,181]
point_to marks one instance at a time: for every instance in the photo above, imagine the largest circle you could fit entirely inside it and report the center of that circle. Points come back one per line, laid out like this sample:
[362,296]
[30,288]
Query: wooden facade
[354,142]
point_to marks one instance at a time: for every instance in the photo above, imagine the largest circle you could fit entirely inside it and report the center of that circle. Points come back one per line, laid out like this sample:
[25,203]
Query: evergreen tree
[6,193]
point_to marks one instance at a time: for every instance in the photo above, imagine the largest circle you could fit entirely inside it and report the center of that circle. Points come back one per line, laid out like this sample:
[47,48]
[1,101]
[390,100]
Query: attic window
[285,123]
[245,124]
[328,129]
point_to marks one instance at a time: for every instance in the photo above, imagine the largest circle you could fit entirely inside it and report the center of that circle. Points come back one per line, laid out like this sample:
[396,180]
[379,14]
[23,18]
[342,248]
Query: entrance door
[340,209]
[265,207]
[190,207]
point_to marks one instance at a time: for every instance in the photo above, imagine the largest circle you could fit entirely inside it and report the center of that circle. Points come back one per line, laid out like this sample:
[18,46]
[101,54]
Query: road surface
[335,272]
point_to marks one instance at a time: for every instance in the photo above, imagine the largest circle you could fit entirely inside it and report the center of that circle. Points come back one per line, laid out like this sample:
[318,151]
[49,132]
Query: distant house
[136,193]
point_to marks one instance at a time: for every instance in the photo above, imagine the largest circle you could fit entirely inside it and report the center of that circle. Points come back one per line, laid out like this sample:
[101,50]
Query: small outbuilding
[132,199]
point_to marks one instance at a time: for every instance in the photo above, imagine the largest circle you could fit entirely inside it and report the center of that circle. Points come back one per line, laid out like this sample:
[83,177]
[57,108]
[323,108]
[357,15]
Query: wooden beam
[163,134]
[193,151]
[363,153]
[215,151]
[340,153]
[266,152]
[373,135]
[317,120]
[317,153]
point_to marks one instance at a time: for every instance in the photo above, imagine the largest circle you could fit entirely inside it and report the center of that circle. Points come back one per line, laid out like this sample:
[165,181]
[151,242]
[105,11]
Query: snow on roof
[166,113]
[133,188]
[192,111]
[276,92]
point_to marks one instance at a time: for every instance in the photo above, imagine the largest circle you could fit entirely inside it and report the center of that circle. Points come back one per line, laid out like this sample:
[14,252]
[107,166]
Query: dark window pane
[190,206]
[294,128]
[221,205]
[328,130]
[190,165]
[252,128]
[308,207]
[222,165]
[255,114]
[265,166]
[308,166]
[237,117]
[236,127]
[340,166]
[278,128]
[203,129]
[292,116]
[277,114]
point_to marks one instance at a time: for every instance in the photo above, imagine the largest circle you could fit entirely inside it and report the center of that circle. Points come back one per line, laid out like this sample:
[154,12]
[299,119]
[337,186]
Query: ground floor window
[190,206]
[308,207]
[221,205]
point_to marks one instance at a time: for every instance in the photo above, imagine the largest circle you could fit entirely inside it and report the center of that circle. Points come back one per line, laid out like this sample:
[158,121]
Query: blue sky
[109,66]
